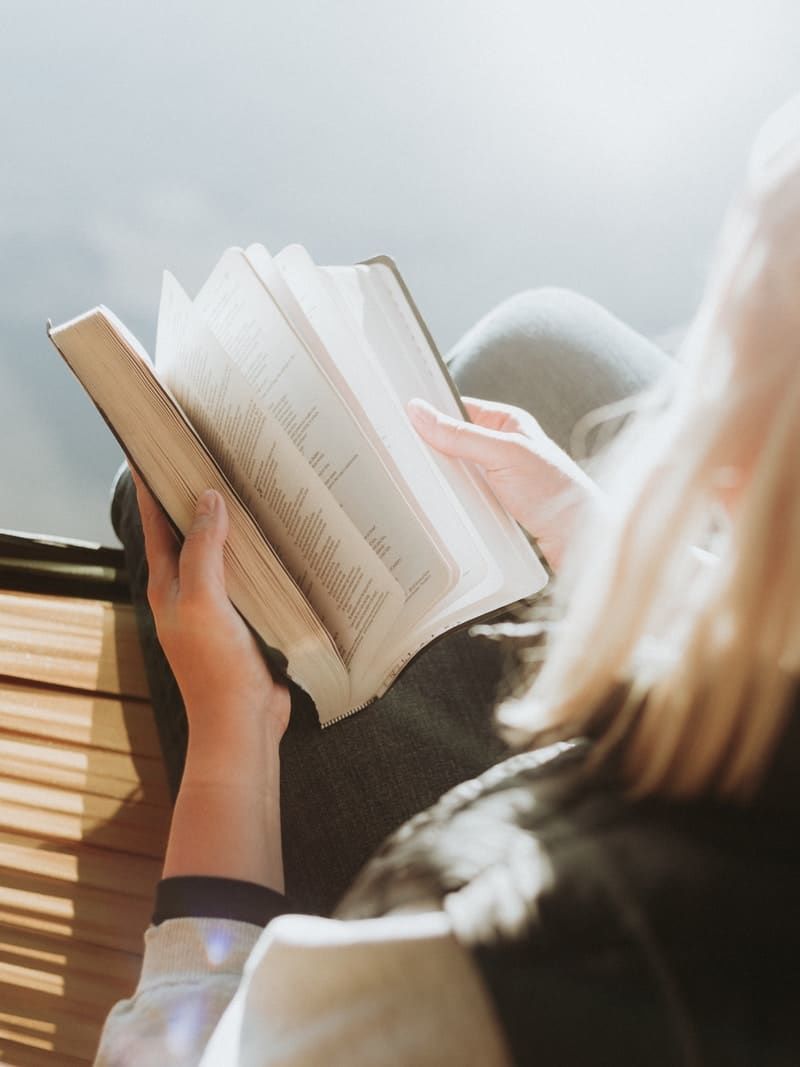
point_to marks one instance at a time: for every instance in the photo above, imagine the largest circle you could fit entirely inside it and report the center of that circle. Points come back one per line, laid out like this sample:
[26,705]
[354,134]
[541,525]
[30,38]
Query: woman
[626,897]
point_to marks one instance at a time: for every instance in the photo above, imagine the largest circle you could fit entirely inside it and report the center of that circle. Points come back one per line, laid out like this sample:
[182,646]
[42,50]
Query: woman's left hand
[226,821]
[222,676]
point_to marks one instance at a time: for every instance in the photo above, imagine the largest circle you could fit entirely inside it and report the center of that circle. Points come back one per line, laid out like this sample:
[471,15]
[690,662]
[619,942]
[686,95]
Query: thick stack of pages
[284,385]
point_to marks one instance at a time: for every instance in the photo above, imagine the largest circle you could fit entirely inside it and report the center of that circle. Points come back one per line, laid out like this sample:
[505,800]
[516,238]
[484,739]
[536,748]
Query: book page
[338,356]
[350,289]
[334,323]
[512,570]
[290,389]
[165,448]
[301,295]
[352,591]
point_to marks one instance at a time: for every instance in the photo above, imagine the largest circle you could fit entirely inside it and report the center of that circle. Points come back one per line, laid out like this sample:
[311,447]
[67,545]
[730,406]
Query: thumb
[456,437]
[200,566]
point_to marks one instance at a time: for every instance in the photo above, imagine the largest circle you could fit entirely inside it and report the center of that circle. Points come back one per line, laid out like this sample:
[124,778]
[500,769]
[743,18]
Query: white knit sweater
[305,991]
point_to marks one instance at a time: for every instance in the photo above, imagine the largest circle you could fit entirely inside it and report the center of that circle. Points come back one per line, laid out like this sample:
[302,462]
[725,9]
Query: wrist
[236,704]
[232,749]
[226,821]
[572,498]
[226,829]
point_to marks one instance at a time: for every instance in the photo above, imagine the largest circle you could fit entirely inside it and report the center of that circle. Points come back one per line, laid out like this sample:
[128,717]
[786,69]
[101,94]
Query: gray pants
[345,788]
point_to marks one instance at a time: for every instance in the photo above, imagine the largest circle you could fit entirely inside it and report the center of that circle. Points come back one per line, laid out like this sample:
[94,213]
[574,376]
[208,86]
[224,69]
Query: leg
[556,354]
[345,788]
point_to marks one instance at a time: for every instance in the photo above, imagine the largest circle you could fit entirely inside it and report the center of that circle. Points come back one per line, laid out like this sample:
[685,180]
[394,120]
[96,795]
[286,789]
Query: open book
[283,385]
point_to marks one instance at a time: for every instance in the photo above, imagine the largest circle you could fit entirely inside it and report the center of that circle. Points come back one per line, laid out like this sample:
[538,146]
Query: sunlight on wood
[57,715]
[34,923]
[18,1034]
[84,813]
[66,641]
[43,753]
[42,798]
[36,903]
[31,1024]
[28,978]
[9,948]
[67,863]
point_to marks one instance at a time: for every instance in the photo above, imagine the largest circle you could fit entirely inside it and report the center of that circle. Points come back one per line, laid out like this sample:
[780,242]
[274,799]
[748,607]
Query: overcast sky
[490,147]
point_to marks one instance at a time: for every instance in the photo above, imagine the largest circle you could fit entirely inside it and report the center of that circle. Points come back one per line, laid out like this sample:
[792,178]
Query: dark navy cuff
[204,897]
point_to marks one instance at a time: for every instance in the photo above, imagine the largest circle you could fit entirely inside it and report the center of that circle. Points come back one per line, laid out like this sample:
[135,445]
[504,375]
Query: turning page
[166,449]
[353,592]
[299,462]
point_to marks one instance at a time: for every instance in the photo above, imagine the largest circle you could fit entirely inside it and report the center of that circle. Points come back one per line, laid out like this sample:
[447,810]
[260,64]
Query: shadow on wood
[84,812]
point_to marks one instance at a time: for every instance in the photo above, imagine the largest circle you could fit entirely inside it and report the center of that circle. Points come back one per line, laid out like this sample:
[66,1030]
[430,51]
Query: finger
[201,567]
[497,416]
[479,403]
[160,543]
[484,414]
[455,437]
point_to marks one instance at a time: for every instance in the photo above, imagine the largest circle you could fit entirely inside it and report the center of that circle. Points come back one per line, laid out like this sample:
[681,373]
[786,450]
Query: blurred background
[489,147]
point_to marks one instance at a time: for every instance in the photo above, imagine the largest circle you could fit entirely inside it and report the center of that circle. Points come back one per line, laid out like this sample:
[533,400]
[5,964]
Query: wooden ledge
[84,802]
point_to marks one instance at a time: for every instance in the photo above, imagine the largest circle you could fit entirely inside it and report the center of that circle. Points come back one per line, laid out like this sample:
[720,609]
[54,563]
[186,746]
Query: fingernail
[206,503]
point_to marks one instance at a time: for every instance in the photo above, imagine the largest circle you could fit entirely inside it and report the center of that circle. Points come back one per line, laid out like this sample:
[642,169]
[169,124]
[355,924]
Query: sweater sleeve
[191,969]
[204,897]
[396,990]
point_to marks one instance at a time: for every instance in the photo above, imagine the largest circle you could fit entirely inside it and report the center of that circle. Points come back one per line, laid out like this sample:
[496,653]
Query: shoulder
[574,897]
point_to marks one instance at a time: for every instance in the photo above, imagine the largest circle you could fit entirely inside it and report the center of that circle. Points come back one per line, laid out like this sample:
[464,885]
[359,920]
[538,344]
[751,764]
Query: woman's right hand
[532,477]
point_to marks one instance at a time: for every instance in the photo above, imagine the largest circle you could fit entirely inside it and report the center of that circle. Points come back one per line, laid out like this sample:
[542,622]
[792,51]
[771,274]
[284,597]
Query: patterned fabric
[607,930]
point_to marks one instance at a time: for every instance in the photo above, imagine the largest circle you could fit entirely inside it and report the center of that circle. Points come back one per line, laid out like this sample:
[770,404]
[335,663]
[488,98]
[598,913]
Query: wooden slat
[108,824]
[79,644]
[72,1035]
[14,1055]
[79,718]
[68,954]
[94,916]
[80,759]
[94,772]
[52,799]
[40,924]
[155,793]
[73,863]
[88,995]
[84,812]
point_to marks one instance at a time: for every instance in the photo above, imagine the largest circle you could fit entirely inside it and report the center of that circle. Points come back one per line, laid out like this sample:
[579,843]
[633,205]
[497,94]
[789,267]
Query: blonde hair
[706,653]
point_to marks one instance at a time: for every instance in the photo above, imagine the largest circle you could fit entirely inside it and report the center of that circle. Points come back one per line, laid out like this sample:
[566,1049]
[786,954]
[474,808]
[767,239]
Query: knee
[528,330]
[556,331]
[556,353]
[547,301]
[124,509]
[547,317]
